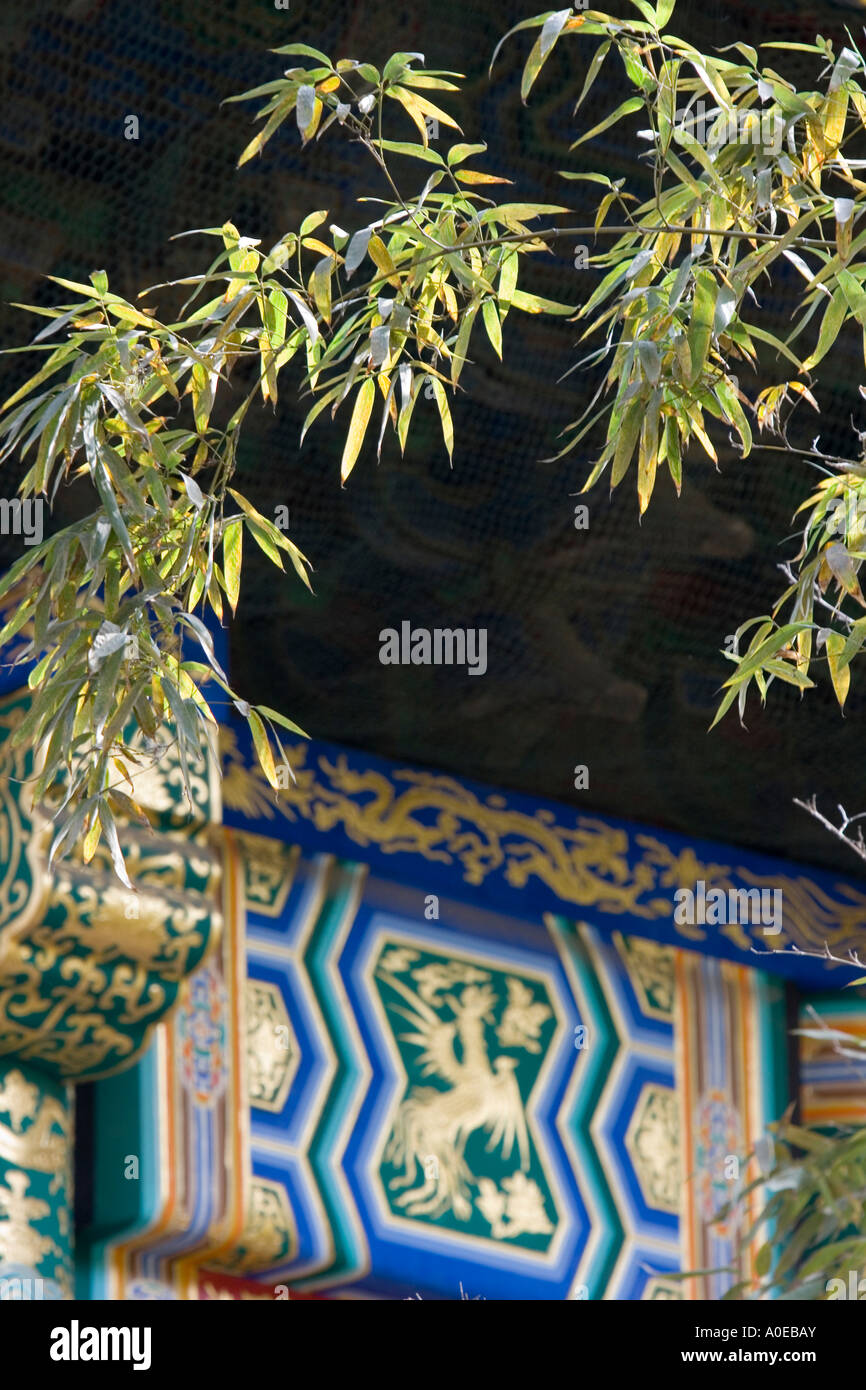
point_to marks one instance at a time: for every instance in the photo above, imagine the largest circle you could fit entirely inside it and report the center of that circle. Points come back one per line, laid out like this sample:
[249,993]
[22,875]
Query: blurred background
[603,644]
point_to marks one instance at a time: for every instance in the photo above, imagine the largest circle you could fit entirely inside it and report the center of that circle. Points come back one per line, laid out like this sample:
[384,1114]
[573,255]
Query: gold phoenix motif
[433,1126]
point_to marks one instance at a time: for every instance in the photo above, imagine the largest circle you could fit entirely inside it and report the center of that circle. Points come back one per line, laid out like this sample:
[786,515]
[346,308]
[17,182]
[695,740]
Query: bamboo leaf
[647,458]
[700,331]
[282,720]
[444,415]
[232,558]
[357,427]
[541,49]
[263,748]
[625,109]
[534,304]
[493,325]
[626,439]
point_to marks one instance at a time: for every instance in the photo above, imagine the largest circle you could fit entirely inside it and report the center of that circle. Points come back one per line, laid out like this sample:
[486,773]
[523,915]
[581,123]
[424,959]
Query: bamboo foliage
[750,175]
[366,319]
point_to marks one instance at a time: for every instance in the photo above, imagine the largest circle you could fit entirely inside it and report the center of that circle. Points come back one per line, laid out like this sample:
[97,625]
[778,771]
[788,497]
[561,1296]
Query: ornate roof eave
[529,856]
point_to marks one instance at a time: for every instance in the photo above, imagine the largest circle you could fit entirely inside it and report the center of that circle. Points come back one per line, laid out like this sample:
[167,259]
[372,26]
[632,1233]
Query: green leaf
[458,358]
[854,294]
[542,48]
[282,720]
[102,481]
[648,455]
[856,638]
[508,282]
[627,439]
[534,304]
[673,453]
[772,644]
[458,153]
[312,221]
[764,337]
[263,748]
[53,364]
[232,558]
[852,1249]
[264,542]
[700,332]
[625,109]
[411,150]
[646,10]
[763,1259]
[725,704]
[727,397]
[493,324]
[534,23]
[302,50]
[592,73]
[276,311]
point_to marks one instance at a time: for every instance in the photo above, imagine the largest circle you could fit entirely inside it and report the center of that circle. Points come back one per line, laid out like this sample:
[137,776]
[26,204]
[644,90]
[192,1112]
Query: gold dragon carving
[590,863]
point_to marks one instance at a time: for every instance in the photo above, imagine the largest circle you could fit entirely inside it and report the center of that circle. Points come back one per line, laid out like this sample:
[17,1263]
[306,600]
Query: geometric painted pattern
[462,1107]
[635,1232]
[441,1100]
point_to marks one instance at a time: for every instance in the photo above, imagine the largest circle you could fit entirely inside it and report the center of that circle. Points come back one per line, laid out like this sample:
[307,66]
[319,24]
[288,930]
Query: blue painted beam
[527,856]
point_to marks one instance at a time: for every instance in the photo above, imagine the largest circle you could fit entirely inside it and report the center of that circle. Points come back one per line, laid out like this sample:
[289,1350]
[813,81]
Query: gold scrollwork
[589,864]
[43,1145]
[87,967]
[272,1055]
[268,1236]
[653,1141]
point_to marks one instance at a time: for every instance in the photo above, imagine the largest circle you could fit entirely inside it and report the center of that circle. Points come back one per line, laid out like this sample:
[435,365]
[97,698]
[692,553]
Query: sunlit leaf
[357,427]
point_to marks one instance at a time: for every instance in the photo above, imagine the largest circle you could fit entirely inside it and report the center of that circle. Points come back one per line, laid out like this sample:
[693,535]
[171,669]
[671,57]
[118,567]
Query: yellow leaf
[475,176]
[91,840]
[384,382]
[263,748]
[647,459]
[312,243]
[840,676]
[307,135]
[444,415]
[410,105]
[428,109]
[380,257]
[320,286]
[247,262]
[357,427]
[697,422]
[834,111]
